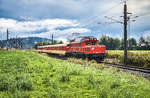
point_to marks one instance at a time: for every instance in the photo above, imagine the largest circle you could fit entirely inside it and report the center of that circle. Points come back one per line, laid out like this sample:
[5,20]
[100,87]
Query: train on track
[83,47]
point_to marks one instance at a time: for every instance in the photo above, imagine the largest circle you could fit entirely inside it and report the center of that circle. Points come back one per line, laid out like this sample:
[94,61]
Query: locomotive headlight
[92,48]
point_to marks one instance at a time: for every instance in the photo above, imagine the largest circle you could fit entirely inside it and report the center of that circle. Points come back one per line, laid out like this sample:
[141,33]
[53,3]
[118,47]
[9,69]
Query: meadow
[138,58]
[26,74]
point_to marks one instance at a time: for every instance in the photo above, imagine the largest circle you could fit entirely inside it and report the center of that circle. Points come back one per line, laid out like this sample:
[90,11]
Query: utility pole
[52,39]
[19,43]
[0,39]
[16,42]
[125,33]
[125,23]
[0,42]
[7,38]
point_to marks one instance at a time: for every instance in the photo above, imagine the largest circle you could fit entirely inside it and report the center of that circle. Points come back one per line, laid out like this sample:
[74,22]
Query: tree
[110,43]
[141,41]
[142,44]
[60,42]
[55,42]
[46,43]
[147,42]
[122,44]
[116,43]
[132,43]
[37,44]
[104,41]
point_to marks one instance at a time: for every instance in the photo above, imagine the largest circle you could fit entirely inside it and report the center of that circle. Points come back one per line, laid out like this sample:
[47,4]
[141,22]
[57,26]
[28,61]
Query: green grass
[135,57]
[31,75]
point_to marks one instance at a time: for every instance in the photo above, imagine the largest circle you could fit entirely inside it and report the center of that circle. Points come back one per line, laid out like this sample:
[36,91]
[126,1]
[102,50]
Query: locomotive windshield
[88,43]
[93,42]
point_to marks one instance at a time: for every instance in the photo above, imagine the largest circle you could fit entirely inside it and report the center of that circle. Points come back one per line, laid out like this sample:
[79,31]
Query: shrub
[65,78]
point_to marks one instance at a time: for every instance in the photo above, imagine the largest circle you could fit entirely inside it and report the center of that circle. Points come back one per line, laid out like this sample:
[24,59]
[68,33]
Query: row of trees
[113,43]
[117,44]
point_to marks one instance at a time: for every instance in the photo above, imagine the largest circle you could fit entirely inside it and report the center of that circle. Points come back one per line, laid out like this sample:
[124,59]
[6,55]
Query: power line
[97,16]
[144,14]
[106,11]
[114,20]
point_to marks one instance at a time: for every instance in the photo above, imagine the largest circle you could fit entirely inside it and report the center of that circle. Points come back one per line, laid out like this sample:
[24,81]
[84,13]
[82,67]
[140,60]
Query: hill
[27,43]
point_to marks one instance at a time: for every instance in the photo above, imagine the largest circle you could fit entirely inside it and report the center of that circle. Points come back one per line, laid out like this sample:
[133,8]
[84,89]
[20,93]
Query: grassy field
[31,75]
[135,57]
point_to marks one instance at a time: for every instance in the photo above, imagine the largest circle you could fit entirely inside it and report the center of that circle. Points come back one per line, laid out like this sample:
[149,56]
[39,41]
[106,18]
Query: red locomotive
[85,47]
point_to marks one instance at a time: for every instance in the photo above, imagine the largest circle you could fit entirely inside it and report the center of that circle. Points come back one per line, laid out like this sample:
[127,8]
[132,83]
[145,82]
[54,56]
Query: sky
[42,18]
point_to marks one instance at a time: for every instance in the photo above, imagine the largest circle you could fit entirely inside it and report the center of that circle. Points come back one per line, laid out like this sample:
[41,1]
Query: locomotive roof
[83,38]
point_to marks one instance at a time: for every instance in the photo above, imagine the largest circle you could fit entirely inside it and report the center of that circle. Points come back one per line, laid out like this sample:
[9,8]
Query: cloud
[29,26]
[59,34]
[24,15]
[77,9]
[41,28]
[45,8]
[138,7]
[146,34]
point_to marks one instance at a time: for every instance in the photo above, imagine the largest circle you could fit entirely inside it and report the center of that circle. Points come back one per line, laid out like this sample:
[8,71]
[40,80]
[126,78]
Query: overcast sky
[41,18]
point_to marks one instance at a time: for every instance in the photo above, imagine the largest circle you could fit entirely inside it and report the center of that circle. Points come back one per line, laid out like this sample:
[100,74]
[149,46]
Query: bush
[65,78]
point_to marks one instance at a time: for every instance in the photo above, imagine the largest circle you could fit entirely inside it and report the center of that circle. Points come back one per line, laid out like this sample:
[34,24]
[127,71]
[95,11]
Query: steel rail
[127,67]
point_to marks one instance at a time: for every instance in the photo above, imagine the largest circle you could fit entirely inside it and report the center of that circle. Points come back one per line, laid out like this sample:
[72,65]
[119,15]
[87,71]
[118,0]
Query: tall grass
[30,75]
[135,58]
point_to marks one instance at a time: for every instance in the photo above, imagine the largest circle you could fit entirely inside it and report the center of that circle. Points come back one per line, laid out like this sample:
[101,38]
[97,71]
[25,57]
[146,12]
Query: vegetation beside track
[28,74]
[138,58]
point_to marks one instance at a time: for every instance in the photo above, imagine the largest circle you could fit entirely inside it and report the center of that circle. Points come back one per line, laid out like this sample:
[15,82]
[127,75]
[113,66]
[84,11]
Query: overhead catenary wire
[105,11]
[139,15]
[115,21]
[143,14]
[93,19]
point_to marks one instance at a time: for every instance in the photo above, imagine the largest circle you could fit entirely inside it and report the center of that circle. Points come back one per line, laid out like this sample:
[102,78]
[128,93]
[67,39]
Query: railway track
[132,69]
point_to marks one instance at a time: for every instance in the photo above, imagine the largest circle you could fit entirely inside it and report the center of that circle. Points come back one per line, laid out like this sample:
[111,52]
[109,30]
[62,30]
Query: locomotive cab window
[88,43]
[93,42]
